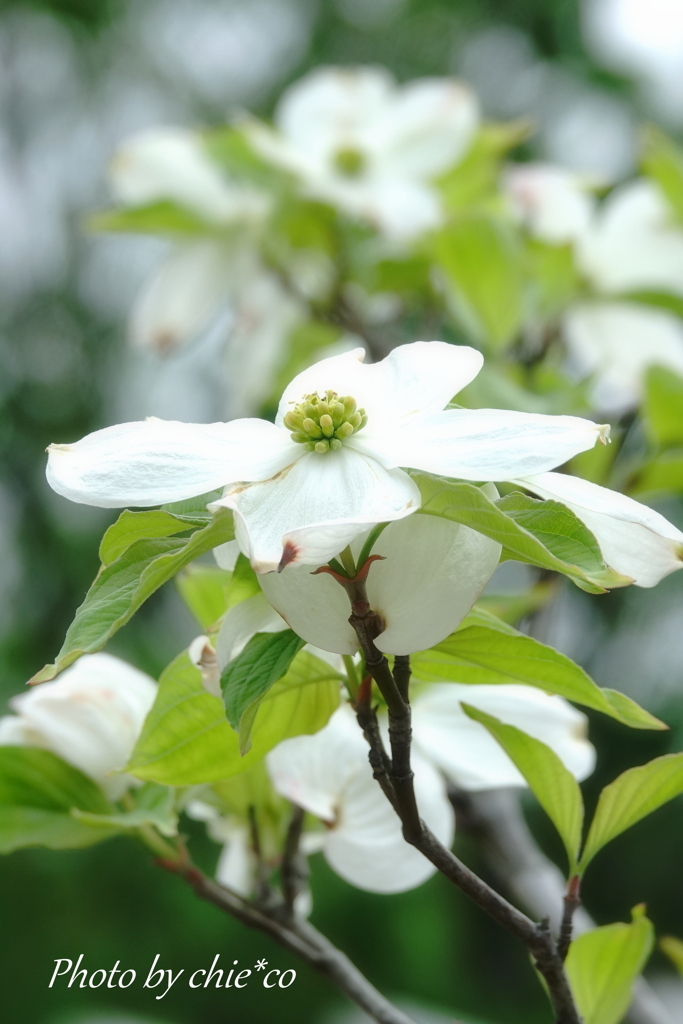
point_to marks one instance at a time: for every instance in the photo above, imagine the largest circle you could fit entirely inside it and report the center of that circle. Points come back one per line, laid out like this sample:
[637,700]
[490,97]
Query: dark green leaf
[264,660]
[123,586]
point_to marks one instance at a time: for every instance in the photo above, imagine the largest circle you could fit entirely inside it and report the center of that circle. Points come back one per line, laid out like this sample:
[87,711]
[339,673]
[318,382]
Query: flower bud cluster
[322,423]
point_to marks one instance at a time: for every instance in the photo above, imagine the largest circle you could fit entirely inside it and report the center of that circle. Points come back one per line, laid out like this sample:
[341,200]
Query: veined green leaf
[481,654]
[154,805]
[37,792]
[631,797]
[543,533]
[552,784]
[132,526]
[187,739]
[250,675]
[153,219]
[481,259]
[602,966]
[121,587]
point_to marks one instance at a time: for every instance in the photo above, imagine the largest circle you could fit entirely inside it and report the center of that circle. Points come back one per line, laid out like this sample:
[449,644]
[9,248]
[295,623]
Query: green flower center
[323,422]
[349,161]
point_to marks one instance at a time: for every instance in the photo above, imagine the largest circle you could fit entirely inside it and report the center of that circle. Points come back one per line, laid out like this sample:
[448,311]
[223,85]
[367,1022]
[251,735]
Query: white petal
[426,128]
[467,753]
[157,461]
[226,555]
[433,573]
[400,208]
[633,244]
[316,607]
[235,868]
[312,771]
[550,201]
[255,615]
[366,847]
[91,716]
[188,292]
[617,341]
[634,539]
[479,444]
[171,163]
[326,108]
[413,379]
[312,510]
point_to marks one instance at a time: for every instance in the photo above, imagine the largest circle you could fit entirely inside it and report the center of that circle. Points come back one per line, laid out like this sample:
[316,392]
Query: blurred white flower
[205,275]
[329,775]
[236,868]
[330,466]
[466,752]
[432,572]
[91,716]
[370,147]
[627,244]
[634,539]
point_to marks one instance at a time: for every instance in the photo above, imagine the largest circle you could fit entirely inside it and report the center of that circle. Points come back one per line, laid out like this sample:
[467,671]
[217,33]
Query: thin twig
[293,869]
[495,819]
[298,937]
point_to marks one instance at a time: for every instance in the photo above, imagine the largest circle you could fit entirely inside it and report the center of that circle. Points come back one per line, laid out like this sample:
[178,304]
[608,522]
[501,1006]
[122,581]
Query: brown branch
[572,902]
[297,937]
[294,868]
[495,819]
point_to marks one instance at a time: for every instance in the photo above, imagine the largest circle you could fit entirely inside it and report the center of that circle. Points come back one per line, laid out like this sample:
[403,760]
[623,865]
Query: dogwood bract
[634,539]
[91,717]
[330,466]
[370,147]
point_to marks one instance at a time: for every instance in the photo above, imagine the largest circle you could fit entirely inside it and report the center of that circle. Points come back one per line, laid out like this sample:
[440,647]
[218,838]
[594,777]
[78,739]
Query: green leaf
[186,738]
[121,587]
[631,797]
[37,792]
[243,584]
[673,948]
[543,533]
[480,654]
[603,964]
[249,676]
[663,406]
[132,526]
[554,279]
[555,788]
[204,589]
[153,219]
[229,147]
[154,805]
[474,179]
[663,161]
[481,260]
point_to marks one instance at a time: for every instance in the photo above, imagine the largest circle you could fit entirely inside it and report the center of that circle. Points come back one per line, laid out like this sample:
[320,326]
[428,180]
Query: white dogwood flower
[328,774]
[627,244]
[634,539]
[204,276]
[432,571]
[333,463]
[360,142]
[91,717]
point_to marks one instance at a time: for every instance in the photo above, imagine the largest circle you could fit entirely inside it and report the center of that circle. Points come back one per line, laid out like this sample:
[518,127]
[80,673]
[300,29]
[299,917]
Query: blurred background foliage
[78,76]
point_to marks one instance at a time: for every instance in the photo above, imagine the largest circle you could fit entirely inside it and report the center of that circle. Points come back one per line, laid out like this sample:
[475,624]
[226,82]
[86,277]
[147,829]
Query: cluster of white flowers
[627,244]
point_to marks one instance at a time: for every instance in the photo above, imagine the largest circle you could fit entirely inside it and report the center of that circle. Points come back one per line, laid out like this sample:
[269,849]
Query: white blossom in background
[91,716]
[206,275]
[465,751]
[333,463]
[329,775]
[629,243]
[236,868]
[634,539]
[360,142]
